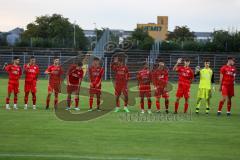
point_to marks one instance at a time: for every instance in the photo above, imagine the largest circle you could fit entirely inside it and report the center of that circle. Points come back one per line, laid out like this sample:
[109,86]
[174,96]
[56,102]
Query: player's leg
[91,102]
[186,94]
[223,99]
[50,90]
[26,99]
[157,98]
[8,97]
[142,103]
[118,92]
[149,104]
[166,97]
[15,100]
[179,95]
[221,103]
[177,104]
[77,101]
[167,105]
[98,101]
[229,102]
[198,104]
[186,105]
[125,93]
[55,99]
[229,105]
[207,105]
[34,99]
[69,100]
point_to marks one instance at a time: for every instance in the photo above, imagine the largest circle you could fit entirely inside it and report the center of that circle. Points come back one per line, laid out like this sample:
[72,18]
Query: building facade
[158,31]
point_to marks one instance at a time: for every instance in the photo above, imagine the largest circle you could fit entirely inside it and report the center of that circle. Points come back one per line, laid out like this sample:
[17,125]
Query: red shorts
[183,91]
[228,90]
[73,89]
[30,87]
[145,91]
[95,90]
[121,88]
[54,88]
[160,92]
[13,87]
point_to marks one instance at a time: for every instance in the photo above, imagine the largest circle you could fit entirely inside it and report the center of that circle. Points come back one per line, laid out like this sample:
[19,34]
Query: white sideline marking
[69,156]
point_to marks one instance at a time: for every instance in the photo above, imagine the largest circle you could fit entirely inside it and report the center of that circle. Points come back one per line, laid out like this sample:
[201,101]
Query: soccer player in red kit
[144,85]
[160,81]
[14,72]
[121,82]
[227,78]
[74,79]
[95,75]
[186,75]
[55,73]
[31,71]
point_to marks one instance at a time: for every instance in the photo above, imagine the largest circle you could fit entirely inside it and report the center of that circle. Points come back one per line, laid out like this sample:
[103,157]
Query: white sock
[34,106]
[7,105]
[26,105]
[15,105]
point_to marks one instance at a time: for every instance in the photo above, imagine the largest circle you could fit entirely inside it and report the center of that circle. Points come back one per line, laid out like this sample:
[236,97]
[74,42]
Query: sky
[198,15]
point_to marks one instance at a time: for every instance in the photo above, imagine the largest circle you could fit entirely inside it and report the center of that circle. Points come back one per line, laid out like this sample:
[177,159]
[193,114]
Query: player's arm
[221,78]
[68,74]
[48,70]
[175,68]
[197,71]
[98,80]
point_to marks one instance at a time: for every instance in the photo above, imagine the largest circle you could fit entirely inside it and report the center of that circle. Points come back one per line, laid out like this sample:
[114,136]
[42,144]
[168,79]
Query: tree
[181,34]
[53,31]
[141,39]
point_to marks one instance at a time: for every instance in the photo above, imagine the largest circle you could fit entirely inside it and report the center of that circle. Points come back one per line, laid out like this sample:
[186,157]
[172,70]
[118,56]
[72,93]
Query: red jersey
[160,77]
[229,73]
[121,73]
[144,77]
[14,73]
[95,75]
[75,75]
[185,74]
[31,72]
[55,73]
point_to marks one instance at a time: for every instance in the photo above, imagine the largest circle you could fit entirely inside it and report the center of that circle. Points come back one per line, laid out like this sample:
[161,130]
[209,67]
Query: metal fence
[134,61]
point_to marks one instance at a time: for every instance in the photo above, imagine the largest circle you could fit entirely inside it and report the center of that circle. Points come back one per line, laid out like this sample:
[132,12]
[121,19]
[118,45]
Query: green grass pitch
[39,134]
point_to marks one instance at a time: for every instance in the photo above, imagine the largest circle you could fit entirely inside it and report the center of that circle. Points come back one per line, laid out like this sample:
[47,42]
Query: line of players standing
[158,77]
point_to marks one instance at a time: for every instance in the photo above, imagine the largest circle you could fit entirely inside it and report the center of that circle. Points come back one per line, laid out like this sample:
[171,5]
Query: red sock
[149,104]
[158,104]
[185,107]
[98,102]
[55,101]
[125,102]
[48,101]
[142,104]
[76,102]
[69,101]
[7,100]
[34,98]
[15,99]
[26,97]
[220,106]
[229,105]
[90,102]
[118,103]
[176,106]
[166,104]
